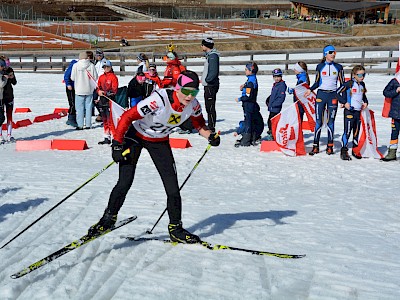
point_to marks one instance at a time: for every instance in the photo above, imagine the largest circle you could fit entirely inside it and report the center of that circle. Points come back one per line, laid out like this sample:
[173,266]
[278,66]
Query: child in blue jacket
[277,97]
[252,116]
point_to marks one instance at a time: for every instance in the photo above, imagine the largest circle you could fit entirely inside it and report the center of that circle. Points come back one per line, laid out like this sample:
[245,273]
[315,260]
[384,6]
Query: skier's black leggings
[161,154]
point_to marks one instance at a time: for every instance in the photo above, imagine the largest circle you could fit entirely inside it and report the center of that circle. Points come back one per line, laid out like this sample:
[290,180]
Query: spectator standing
[152,81]
[252,116]
[99,61]
[353,100]
[107,89]
[173,70]
[143,63]
[85,77]
[210,80]
[392,90]
[327,76]
[277,97]
[7,97]
[301,71]
[136,90]
[70,91]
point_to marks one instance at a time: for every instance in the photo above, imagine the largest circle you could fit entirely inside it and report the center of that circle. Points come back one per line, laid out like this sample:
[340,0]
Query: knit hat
[327,49]
[277,72]
[152,66]
[208,42]
[83,55]
[99,52]
[188,79]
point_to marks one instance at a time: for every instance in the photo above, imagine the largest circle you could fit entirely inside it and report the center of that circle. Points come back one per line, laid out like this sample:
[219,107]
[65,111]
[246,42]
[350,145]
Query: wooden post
[389,62]
[34,61]
[122,67]
[363,56]
[64,60]
[287,65]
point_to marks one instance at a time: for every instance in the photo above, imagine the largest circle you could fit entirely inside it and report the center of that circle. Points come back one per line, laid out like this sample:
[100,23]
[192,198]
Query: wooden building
[354,10]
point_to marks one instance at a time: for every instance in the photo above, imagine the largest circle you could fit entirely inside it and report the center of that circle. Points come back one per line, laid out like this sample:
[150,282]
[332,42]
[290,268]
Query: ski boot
[180,235]
[329,149]
[344,155]
[391,155]
[106,222]
[315,150]
[106,141]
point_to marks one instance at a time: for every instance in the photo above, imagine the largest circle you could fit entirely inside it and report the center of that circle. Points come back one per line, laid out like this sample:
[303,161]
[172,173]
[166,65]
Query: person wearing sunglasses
[326,80]
[136,91]
[147,126]
[173,69]
[152,81]
[392,91]
[352,96]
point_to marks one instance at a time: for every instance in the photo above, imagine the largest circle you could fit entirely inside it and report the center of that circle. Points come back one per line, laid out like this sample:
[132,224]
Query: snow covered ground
[343,215]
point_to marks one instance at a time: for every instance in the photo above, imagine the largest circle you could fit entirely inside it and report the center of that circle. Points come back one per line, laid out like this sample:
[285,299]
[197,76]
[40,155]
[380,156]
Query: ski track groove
[110,255]
[141,263]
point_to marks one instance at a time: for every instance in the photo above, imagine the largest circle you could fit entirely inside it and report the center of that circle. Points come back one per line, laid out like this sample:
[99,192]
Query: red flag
[286,129]
[367,139]
[307,103]
[116,112]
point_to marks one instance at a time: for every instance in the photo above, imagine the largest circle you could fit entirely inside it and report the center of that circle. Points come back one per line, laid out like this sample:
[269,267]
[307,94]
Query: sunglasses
[106,67]
[331,52]
[190,92]
[361,75]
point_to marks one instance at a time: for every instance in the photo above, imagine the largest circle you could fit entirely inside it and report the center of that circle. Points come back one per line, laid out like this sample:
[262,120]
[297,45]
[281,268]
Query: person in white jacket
[85,77]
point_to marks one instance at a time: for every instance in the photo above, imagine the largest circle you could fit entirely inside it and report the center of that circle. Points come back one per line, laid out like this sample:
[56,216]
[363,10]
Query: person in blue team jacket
[277,97]
[253,120]
[326,79]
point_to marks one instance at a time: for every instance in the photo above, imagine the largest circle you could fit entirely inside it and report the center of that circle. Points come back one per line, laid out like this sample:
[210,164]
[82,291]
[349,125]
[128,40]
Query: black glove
[117,150]
[214,139]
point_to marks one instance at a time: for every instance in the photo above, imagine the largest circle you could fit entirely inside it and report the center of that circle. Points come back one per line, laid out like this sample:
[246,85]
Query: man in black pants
[210,80]
[154,118]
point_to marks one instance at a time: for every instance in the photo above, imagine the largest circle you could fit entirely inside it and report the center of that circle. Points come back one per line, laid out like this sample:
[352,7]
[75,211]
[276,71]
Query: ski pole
[127,151]
[180,188]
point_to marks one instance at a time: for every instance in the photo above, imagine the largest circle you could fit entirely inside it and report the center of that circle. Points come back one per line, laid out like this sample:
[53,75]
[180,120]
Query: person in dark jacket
[353,98]
[70,91]
[7,97]
[136,90]
[392,90]
[252,116]
[277,97]
[210,80]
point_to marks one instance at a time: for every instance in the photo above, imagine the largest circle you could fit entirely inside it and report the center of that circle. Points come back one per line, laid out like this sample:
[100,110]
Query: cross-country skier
[148,125]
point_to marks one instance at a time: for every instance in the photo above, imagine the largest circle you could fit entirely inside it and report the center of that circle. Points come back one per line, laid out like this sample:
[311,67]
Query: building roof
[344,6]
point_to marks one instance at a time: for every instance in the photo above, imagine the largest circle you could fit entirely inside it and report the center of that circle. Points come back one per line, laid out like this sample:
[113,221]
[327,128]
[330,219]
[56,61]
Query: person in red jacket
[152,81]
[107,89]
[173,70]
